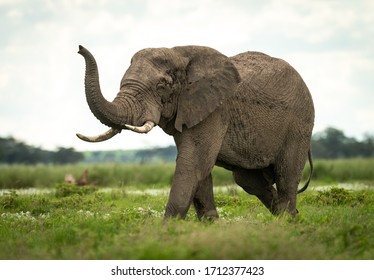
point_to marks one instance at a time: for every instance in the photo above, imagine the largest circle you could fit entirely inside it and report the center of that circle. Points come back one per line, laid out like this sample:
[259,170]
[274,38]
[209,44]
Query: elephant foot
[175,211]
[210,215]
[280,209]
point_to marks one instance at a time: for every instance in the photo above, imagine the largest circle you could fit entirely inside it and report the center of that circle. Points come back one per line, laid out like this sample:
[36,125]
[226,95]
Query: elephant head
[176,87]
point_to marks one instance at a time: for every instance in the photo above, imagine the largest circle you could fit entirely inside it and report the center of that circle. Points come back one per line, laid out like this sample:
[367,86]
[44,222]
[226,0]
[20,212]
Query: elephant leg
[288,172]
[190,175]
[258,182]
[204,200]
[198,148]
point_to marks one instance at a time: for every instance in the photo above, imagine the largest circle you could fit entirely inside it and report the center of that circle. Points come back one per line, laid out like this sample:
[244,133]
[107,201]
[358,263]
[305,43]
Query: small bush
[336,196]
[9,200]
[64,190]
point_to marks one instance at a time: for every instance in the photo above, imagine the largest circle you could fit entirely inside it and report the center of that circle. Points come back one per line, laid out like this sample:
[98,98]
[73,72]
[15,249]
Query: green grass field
[160,175]
[122,217]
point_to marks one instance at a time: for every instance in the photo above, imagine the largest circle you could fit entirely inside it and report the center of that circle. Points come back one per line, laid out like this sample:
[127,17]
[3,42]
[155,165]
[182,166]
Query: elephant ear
[211,78]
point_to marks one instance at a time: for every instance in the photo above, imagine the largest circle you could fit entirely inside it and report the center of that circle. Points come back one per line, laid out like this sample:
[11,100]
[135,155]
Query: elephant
[251,114]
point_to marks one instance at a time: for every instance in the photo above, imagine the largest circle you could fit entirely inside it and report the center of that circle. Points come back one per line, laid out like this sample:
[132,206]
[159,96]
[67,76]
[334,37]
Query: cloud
[41,77]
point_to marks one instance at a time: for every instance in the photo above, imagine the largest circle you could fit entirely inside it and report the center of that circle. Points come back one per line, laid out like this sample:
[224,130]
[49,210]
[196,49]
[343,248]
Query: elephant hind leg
[258,182]
[204,199]
[288,172]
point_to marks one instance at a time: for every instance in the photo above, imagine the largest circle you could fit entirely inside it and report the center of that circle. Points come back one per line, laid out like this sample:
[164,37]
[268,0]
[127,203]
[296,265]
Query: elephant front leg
[204,200]
[198,148]
[192,184]
[182,191]
[188,187]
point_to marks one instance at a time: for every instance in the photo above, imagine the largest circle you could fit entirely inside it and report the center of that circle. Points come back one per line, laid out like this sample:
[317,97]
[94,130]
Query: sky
[42,102]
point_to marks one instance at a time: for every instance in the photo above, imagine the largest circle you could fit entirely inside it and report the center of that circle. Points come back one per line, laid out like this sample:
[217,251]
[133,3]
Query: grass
[102,223]
[343,170]
[160,175]
[122,216]
[44,176]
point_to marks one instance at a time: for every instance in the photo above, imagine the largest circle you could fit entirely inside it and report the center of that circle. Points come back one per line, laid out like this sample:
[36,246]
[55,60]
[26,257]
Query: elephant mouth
[145,128]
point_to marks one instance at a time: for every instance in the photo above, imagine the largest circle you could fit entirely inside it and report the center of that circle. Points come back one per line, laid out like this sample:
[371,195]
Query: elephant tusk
[145,128]
[102,137]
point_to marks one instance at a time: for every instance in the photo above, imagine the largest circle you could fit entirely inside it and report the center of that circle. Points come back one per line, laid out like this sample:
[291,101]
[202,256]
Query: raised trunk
[109,113]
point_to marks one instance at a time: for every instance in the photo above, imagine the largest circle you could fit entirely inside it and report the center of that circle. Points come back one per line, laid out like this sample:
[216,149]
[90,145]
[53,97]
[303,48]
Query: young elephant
[251,114]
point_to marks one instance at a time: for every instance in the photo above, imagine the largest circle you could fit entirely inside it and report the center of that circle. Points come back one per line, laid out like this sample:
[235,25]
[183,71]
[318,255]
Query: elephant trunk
[116,114]
[109,113]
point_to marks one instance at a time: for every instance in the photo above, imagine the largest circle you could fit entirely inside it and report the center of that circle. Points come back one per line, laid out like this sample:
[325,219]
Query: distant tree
[368,145]
[332,143]
[166,154]
[67,155]
[13,151]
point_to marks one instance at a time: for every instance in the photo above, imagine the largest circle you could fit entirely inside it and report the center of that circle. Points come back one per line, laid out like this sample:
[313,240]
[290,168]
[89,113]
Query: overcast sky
[42,102]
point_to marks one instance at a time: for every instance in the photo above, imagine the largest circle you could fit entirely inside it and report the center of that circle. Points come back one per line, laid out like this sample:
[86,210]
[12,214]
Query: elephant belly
[252,143]
[233,159]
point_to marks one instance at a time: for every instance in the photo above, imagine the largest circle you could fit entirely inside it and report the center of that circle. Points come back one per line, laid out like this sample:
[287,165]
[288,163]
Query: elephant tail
[310,173]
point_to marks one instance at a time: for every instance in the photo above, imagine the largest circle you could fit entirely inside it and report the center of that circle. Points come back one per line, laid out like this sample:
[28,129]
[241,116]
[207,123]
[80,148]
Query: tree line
[331,143]
[13,151]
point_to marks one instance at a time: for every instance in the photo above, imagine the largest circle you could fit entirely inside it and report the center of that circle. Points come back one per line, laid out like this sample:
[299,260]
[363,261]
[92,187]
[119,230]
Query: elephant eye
[162,84]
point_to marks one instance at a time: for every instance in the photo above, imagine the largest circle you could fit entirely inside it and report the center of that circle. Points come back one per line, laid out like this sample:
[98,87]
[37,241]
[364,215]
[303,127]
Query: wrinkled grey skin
[251,114]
